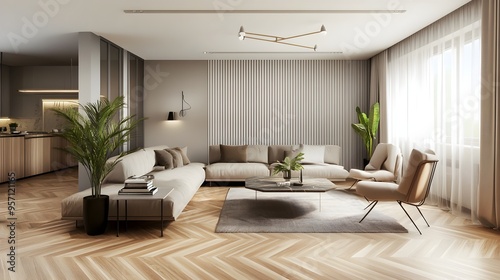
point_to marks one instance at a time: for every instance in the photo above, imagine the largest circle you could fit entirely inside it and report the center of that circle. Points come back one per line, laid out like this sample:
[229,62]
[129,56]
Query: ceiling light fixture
[234,11]
[242,35]
[280,52]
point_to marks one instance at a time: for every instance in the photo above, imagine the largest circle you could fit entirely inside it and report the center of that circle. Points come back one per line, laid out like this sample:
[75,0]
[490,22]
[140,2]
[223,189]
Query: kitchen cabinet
[37,155]
[32,155]
[12,157]
[4,91]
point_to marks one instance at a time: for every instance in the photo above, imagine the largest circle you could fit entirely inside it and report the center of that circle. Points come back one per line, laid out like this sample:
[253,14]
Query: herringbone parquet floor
[49,248]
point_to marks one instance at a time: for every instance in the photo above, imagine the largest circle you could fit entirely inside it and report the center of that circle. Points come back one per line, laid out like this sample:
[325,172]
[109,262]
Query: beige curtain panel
[489,183]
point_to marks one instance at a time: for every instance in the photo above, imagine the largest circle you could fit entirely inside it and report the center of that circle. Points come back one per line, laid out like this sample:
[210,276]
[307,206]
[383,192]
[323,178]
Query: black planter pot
[365,162]
[95,214]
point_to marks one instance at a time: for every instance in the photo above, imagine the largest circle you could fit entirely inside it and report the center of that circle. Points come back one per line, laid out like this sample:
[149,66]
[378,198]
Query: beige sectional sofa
[185,182]
[233,163]
[236,163]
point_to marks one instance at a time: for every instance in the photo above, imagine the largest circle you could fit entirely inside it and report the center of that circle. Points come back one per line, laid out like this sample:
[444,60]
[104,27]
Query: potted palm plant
[93,135]
[288,165]
[367,127]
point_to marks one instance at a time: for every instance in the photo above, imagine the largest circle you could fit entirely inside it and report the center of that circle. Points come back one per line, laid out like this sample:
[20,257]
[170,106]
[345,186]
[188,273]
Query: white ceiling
[31,33]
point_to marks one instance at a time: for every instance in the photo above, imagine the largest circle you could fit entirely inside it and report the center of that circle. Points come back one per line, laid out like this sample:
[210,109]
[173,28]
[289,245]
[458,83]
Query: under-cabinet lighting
[48,91]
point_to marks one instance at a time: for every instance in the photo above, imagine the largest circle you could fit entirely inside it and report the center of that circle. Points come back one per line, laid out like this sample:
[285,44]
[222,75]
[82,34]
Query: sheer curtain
[433,97]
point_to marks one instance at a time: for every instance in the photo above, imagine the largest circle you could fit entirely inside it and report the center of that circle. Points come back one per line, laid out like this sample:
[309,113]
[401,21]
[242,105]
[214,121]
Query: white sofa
[185,182]
[324,162]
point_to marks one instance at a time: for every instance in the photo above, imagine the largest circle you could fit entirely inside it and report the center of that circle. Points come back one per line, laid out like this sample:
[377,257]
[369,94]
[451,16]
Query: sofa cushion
[164,158]
[293,152]
[177,157]
[313,153]
[137,163]
[213,153]
[229,153]
[257,153]
[277,152]
[332,154]
[183,151]
[235,171]
[185,182]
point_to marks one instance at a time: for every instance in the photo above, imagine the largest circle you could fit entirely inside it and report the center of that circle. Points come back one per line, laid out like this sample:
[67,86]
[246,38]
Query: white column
[89,82]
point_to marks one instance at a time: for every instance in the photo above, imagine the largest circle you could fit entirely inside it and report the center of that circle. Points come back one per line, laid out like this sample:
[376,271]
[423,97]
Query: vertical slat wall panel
[288,102]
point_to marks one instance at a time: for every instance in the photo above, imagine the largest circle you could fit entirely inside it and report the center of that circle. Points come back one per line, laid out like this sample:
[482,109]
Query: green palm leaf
[93,136]
[368,126]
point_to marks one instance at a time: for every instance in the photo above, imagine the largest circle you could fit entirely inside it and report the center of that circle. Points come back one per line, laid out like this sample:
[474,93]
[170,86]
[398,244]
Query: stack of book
[139,185]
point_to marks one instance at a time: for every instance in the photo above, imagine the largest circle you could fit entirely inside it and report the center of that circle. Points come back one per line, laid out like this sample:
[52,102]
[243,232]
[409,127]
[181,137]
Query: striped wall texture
[285,102]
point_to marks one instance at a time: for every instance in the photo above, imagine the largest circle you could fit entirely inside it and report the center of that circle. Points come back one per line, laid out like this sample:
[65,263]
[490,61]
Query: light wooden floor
[49,248]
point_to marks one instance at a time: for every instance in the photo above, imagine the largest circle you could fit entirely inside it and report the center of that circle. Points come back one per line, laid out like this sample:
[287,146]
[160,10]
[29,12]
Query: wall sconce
[173,116]
[183,113]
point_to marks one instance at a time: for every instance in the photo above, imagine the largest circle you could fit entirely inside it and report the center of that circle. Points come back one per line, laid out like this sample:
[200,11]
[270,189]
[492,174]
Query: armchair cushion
[410,171]
[374,175]
[381,191]
[384,166]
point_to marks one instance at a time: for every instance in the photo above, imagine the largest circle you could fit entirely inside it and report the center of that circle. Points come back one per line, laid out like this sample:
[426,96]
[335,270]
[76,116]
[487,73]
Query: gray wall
[163,82]
[254,102]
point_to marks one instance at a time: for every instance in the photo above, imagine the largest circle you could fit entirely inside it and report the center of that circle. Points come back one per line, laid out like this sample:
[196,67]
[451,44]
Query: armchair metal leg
[374,204]
[369,204]
[400,204]
[422,216]
[355,182]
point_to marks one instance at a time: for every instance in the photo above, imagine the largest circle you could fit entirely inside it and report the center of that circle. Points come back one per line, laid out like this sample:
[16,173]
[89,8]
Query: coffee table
[270,184]
[160,195]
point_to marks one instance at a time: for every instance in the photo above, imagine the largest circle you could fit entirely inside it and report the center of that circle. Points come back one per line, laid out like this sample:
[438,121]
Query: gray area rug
[341,211]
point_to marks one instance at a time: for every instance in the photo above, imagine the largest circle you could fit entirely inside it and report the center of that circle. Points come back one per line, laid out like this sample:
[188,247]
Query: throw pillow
[257,153]
[293,153]
[164,158]
[183,151]
[229,153]
[313,153]
[177,157]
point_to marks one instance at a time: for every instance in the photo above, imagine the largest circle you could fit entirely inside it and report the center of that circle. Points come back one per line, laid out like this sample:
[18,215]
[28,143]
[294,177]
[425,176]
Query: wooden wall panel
[288,102]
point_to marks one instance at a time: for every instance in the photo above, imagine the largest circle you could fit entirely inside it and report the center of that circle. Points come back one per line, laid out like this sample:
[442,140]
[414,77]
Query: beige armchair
[412,190]
[384,166]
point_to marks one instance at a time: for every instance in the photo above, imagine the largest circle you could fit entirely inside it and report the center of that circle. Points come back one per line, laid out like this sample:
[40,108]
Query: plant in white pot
[93,134]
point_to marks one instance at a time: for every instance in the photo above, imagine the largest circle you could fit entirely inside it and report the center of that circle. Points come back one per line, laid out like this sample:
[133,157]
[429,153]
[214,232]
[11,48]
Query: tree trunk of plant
[95,214]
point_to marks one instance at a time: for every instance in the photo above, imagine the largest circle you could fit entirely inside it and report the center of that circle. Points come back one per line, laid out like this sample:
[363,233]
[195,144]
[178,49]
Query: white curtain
[434,95]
